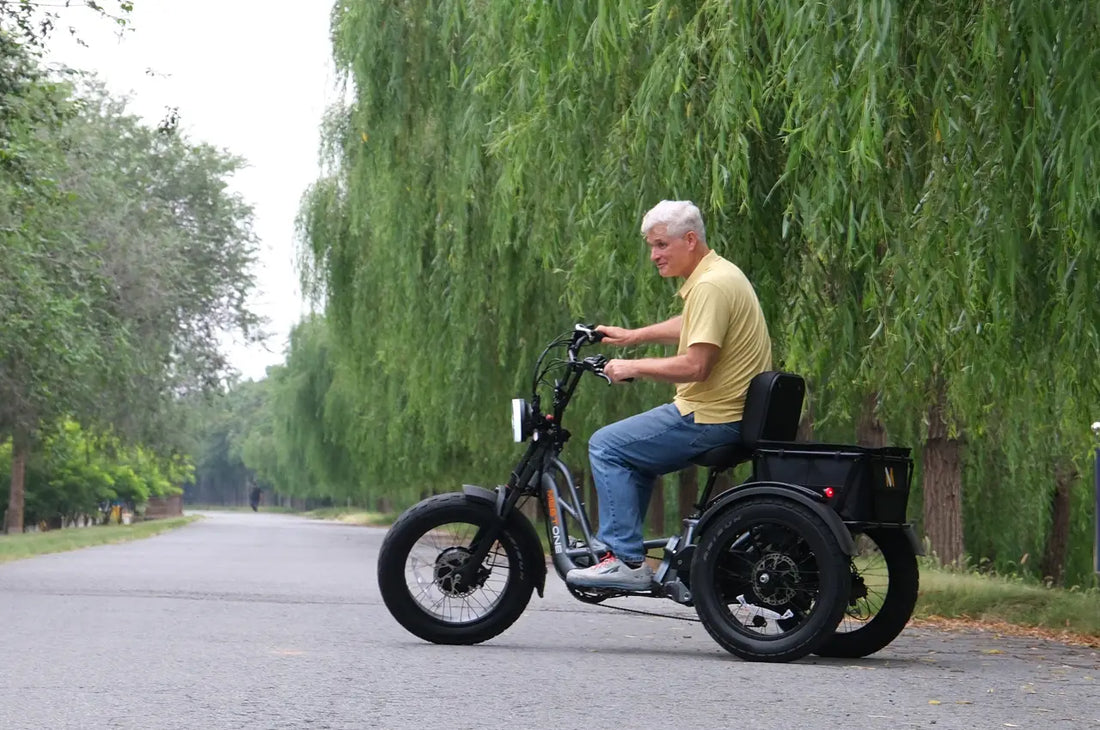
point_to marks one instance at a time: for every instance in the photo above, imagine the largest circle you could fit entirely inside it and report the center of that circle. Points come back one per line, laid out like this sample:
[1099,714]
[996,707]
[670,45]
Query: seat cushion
[723,457]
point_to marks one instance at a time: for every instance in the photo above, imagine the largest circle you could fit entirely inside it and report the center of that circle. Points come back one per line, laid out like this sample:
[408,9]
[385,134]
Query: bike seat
[773,405]
[723,457]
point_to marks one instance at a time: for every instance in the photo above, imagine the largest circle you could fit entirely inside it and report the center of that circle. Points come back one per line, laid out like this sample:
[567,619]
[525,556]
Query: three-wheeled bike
[811,553]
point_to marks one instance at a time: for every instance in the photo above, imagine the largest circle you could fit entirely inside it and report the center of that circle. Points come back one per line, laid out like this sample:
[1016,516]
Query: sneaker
[612,573]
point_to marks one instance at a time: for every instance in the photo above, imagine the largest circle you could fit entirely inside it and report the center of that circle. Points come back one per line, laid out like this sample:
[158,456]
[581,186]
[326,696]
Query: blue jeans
[627,456]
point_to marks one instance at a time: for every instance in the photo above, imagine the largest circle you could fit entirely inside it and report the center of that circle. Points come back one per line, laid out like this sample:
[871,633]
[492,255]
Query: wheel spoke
[870,575]
[770,580]
[434,569]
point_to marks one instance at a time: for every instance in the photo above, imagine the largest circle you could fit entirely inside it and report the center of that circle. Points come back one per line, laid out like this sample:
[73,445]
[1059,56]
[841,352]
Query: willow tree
[909,185]
[296,439]
[994,259]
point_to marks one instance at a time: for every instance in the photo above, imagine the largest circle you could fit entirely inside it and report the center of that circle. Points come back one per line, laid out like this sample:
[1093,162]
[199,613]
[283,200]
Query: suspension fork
[507,497]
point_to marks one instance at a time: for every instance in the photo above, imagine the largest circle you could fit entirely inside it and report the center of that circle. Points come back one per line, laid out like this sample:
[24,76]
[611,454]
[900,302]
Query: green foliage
[32,22]
[78,473]
[175,250]
[218,424]
[910,186]
[125,261]
[296,440]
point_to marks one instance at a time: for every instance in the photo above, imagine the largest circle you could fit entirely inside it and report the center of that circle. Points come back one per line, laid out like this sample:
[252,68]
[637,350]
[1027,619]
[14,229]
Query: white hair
[678,216]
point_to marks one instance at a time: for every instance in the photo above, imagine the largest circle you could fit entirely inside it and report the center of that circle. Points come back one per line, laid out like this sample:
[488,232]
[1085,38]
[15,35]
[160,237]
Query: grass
[237,508]
[353,517]
[1012,601]
[29,544]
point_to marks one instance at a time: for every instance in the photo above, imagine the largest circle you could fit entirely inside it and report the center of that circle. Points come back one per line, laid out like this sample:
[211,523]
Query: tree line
[125,259]
[911,185]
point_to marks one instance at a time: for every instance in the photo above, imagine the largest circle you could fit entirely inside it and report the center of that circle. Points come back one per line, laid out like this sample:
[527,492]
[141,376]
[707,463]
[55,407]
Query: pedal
[678,592]
[593,595]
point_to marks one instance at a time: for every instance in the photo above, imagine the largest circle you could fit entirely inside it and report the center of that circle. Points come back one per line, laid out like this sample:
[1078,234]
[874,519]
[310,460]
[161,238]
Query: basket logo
[890,483]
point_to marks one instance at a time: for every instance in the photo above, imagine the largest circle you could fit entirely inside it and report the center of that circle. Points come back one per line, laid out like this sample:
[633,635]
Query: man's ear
[691,240]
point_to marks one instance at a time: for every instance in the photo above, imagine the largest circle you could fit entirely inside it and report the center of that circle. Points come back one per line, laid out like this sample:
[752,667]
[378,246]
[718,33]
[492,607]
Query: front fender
[520,526]
[802,495]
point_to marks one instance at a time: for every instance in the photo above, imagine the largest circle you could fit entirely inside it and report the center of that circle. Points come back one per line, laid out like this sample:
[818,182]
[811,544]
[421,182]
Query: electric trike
[811,553]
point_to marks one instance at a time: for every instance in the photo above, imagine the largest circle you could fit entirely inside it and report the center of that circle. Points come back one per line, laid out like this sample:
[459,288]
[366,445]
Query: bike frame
[540,473]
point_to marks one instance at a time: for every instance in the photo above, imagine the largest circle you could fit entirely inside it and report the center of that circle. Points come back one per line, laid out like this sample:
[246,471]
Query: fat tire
[897,607]
[834,579]
[409,528]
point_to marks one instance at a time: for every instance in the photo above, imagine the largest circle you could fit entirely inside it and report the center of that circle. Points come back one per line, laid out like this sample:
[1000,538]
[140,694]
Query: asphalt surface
[246,620]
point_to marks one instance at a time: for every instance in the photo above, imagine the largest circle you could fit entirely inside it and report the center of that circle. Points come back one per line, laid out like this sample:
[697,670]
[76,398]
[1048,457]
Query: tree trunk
[20,450]
[1054,556]
[689,490]
[942,484]
[870,431]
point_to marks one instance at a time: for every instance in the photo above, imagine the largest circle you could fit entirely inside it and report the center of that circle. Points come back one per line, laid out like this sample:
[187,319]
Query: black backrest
[773,407]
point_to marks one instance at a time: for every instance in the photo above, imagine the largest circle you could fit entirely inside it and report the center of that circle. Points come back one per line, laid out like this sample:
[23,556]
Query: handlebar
[587,334]
[583,334]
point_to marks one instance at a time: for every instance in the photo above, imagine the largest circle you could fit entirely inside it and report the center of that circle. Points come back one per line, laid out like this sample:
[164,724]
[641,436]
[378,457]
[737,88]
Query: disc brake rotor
[774,579]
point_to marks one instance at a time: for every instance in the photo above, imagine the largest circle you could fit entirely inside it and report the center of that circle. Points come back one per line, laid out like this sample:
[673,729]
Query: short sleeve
[706,315]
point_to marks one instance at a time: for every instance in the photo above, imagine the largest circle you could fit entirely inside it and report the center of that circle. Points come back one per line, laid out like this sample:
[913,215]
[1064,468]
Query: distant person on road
[254,499]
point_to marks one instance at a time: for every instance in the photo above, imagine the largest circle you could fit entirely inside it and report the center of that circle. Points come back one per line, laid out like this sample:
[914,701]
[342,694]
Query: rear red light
[829,492]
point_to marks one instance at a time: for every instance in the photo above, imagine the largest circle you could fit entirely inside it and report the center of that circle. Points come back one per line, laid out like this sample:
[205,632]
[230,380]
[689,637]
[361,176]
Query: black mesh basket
[865,484]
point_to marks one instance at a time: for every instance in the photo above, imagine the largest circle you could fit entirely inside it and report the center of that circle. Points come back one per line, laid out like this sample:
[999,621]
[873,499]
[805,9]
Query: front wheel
[770,580]
[885,582]
[424,577]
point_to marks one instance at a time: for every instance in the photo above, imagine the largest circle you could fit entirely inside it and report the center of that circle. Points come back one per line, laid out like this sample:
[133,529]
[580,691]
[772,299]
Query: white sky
[250,76]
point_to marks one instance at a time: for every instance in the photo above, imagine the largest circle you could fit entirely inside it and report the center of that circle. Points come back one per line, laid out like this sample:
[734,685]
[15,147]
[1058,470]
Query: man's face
[673,256]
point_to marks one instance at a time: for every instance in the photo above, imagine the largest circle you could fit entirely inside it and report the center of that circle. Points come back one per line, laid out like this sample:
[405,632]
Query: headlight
[521,419]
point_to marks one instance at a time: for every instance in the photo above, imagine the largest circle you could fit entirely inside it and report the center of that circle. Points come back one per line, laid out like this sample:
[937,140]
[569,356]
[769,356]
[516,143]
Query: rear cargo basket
[868,484]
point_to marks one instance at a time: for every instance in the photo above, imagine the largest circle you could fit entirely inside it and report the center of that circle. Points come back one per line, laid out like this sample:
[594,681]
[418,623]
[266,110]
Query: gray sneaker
[612,573]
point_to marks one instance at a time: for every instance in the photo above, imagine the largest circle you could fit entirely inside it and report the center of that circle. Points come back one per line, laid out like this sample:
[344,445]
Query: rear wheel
[885,582]
[769,580]
[428,584]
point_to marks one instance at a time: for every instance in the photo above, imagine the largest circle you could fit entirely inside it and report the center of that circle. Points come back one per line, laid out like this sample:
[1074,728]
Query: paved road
[249,620]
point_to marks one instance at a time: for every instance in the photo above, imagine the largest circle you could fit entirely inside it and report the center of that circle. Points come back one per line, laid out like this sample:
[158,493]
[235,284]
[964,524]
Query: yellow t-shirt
[721,308]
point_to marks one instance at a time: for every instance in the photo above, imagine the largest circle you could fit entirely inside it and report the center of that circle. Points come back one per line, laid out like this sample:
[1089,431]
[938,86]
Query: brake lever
[596,363]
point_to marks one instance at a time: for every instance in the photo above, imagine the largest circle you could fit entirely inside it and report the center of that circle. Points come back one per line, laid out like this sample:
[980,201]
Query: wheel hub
[774,578]
[448,572]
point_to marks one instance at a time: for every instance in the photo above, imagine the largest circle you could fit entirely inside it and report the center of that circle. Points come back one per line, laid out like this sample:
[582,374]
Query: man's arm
[662,333]
[692,366]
